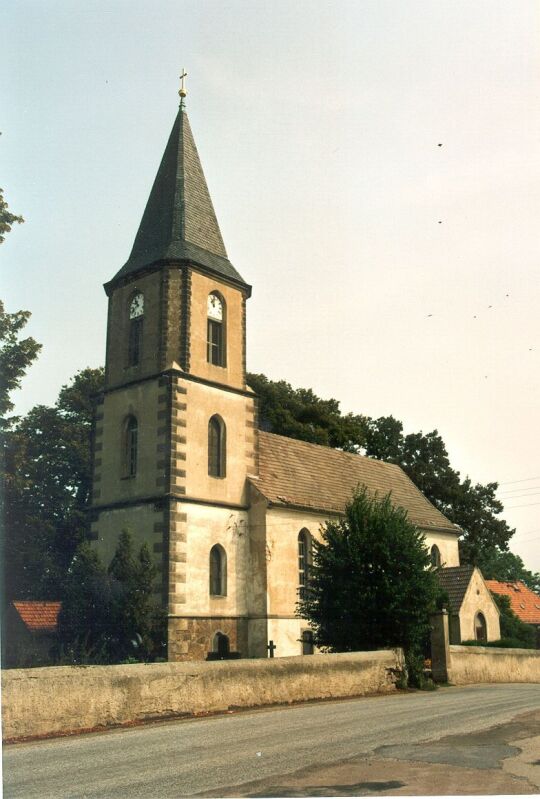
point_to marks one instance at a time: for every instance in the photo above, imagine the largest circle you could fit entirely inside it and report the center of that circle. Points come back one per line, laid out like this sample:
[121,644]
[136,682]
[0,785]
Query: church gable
[298,474]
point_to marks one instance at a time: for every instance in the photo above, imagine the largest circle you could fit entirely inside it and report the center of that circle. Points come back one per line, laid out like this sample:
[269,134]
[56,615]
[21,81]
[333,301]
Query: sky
[373,165]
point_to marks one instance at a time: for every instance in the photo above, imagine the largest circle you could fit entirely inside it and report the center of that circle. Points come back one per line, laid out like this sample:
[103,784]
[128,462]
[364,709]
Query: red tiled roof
[39,617]
[297,474]
[524,602]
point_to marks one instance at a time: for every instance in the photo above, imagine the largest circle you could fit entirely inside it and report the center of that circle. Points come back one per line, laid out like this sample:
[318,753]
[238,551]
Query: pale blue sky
[317,124]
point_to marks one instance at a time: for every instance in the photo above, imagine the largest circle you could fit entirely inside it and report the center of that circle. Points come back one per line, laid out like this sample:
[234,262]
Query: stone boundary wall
[56,700]
[472,664]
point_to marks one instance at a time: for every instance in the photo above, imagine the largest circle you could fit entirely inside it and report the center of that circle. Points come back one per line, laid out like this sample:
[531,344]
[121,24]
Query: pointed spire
[179,222]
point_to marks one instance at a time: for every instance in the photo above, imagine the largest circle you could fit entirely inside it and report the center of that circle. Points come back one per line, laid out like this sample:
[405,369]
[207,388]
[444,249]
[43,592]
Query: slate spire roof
[179,222]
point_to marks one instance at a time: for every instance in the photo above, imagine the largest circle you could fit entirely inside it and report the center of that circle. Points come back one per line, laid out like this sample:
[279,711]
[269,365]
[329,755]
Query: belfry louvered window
[136,317]
[216,344]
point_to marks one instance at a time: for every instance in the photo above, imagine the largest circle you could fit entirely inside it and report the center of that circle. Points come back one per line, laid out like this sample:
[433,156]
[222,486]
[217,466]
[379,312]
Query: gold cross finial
[182,91]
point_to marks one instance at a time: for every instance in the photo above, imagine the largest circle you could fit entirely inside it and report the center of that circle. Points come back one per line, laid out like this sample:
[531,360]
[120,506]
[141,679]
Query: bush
[371,585]
[111,616]
[502,643]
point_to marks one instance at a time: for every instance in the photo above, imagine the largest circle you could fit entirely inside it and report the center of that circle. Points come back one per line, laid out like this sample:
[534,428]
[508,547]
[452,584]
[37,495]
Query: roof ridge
[327,448]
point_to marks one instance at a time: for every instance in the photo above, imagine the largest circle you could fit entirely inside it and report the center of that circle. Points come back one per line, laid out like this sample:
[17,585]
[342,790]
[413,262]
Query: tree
[109,616]
[87,622]
[299,413]
[371,585]
[47,490]
[424,458]
[507,567]
[7,219]
[16,355]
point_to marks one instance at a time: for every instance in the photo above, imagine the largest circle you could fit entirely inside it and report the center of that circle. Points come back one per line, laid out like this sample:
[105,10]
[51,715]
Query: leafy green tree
[507,567]
[424,458]
[47,490]
[16,355]
[122,565]
[7,219]
[110,616]
[475,509]
[88,619]
[371,585]
[299,413]
[140,620]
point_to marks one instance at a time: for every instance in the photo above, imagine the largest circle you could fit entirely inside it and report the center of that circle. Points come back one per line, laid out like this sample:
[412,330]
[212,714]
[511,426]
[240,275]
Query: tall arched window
[216,447]
[435,555]
[130,446]
[304,561]
[308,646]
[480,627]
[216,343]
[136,316]
[218,571]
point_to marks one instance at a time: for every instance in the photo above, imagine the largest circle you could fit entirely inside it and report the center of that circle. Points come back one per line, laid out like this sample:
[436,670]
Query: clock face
[136,307]
[215,307]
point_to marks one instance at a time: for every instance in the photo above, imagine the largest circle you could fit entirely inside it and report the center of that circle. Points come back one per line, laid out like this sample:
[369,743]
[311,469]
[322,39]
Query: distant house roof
[297,474]
[524,602]
[38,617]
[455,581]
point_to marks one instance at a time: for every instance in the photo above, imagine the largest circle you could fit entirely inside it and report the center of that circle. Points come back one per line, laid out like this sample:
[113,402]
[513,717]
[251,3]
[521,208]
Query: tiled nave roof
[297,474]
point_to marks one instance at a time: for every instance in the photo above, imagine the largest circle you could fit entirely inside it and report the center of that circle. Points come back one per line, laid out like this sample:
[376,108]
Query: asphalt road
[182,758]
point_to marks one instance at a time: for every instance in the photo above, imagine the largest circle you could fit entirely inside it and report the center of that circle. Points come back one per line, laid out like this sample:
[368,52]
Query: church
[229,512]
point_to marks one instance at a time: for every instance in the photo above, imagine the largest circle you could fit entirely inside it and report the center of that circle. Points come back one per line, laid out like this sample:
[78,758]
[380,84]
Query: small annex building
[473,614]
[229,512]
[29,632]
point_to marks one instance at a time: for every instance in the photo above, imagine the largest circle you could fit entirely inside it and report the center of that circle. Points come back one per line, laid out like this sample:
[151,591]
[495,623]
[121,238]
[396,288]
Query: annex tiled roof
[297,474]
[524,602]
[179,222]
[39,617]
[455,581]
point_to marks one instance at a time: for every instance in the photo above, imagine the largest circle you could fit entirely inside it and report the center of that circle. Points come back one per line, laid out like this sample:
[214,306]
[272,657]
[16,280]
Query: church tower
[175,427]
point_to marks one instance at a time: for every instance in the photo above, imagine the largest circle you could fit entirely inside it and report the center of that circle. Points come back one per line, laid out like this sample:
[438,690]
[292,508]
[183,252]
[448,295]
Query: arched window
[216,447]
[480,627]
[136,316]
[130,446]
[218,571]
[221,645]
[304,561]
[215,352]
[435,555]
[308,646]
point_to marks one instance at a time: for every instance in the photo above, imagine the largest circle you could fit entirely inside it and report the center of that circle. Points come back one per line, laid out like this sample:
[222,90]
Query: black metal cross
[271,647]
